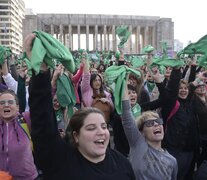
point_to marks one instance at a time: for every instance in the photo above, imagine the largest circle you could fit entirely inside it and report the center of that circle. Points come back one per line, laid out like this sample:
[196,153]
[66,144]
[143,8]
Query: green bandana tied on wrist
[115,76]
[45,48]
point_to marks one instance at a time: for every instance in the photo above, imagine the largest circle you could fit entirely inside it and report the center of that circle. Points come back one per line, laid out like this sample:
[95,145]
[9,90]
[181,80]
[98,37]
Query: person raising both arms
[87,157]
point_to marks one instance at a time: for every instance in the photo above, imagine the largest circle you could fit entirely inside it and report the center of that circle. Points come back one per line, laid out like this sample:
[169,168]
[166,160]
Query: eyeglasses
[7,102]
[151,122]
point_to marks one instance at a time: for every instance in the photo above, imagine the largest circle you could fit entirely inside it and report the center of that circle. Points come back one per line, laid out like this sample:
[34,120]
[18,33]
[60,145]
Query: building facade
[97,32]
[12,13]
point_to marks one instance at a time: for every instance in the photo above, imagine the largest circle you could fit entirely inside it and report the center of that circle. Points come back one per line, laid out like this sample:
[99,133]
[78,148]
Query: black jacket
[57,159]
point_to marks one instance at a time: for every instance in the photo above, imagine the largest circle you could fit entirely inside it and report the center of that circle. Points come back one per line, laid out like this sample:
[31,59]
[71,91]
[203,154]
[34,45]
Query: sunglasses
[7,102]
[151,122]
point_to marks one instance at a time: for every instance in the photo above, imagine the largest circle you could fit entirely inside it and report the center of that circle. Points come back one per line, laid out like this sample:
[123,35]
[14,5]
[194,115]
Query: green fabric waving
[45,48]
[198,47]
[167,62]
[5,52]
[202,60]
[115,76]
[65,93]
[137,61]
[123,34]
[148,49]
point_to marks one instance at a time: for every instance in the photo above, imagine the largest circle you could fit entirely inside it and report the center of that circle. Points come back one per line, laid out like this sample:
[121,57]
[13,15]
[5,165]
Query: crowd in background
[103,116]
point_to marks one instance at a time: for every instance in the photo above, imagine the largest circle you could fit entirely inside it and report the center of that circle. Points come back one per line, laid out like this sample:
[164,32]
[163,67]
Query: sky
[188,15]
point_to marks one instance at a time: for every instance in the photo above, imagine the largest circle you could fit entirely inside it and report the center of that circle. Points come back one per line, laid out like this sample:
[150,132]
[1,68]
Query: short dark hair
[130,87]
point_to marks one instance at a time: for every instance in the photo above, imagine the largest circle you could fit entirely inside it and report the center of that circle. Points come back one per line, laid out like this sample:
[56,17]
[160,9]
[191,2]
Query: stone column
[78,29]
[130,40]
[52,31]
[108,40]
[70,37]
[137,40]
[153,37]
[101,39]
[105,48]
[61,33]
[64,38]
[87,37]
[96,37]
[114,46]
[146,36]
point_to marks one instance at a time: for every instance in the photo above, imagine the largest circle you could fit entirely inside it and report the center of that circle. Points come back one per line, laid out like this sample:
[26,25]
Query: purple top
[3,87]
[15,151]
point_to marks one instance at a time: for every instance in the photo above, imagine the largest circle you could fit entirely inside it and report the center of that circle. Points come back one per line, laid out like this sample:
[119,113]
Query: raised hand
[28,41]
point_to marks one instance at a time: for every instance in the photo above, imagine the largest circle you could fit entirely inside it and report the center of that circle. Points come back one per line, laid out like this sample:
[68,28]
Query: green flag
[5,52]
[148,49]
[45,48]
[123,34]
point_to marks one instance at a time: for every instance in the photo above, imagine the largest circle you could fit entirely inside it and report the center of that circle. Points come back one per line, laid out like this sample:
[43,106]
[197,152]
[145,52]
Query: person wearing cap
[149,160]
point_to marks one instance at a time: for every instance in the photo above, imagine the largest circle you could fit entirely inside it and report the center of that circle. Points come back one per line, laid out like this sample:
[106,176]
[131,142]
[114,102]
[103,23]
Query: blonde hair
[145,116]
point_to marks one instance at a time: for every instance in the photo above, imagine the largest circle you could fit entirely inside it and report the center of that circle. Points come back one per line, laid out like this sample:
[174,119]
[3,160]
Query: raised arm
[48,145]
[8,79]
[76,78]
[131,130]
[86,89]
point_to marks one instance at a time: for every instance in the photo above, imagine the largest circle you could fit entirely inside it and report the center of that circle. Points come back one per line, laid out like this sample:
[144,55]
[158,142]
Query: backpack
[23,124]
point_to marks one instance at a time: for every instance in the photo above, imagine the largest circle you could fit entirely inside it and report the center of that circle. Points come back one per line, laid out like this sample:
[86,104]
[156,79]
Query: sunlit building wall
[11,16]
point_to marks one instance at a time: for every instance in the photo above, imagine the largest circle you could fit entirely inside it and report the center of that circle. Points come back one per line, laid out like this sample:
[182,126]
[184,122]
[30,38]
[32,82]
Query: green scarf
[167,62]
[45,48]
[59,115]
[150,86]
[123,35]
[148,49]
[202,60]
[115,76]
[65,93]
[136,110]
[5,52]
[137,61]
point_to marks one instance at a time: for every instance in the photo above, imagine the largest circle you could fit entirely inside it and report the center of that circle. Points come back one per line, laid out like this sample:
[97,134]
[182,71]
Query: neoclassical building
[97,32]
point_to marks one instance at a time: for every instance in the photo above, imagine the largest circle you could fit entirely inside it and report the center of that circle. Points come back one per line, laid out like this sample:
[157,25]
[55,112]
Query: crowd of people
[101,121]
